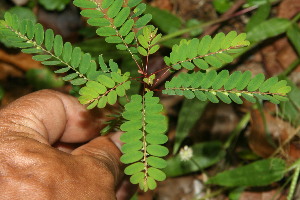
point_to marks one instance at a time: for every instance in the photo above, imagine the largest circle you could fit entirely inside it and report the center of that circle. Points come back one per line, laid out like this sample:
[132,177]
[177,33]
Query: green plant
[144,125]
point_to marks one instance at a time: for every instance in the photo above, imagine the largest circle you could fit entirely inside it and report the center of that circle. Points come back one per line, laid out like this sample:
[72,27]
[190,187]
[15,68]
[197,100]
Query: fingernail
[115,138]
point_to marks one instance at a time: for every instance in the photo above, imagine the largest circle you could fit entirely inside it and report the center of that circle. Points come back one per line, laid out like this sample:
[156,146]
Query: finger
[49,116]
[106,152]
[92,172]
[104,149]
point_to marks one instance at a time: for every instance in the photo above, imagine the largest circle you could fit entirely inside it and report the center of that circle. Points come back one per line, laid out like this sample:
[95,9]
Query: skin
[31,168]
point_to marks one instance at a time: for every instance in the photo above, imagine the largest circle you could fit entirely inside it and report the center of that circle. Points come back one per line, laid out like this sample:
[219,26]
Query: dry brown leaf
[286,55]
[278,56]
[8,71]
[198,9]
[294,151]
[20,2]
[265,195]
[288,8]
[20,60]
[186,187]
[162,4]
[278,129]
[271,65]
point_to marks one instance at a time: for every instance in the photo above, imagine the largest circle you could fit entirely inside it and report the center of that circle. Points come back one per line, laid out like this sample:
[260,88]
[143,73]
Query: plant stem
[213,194]
[279,191]
[293,166]
[296,18]
[186,30]
[244,50]
[207,24]
[230,14]
[292,66]
[280,148]
[241,125]
[293,183]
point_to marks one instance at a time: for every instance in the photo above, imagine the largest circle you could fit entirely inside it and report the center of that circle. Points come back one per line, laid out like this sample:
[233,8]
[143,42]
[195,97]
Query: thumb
[106,152]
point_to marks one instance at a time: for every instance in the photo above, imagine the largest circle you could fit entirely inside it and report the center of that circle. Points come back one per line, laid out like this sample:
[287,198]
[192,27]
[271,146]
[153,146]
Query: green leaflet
[134,168]
[106,3]
[58,45]
[39,34]
[106,31]
[126,28]
[53,50]
[76,57]
[103,90]
[231,81]
[147,41]
[213,86]
[95,21]
[91,13]
[41,57]
[84,4]
[215,44]
[121,17]
[115,8]
[139,10]
[144,136]
[117,23]
[85,63]
[133,3]
[142,21]
[206,52]
[67,52]
[256,82]
[78,81]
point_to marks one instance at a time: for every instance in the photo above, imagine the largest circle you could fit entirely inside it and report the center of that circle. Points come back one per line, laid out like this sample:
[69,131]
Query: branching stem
[144,142]
[209,54]
[227,91]
[119,35]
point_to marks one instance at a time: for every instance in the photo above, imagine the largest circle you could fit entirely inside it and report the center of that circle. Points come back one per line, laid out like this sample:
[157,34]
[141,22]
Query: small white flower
[186,153]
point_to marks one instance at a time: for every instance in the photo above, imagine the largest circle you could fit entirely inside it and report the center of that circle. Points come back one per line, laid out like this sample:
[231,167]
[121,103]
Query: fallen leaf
[285,55]
[248,195]
[8,71]
[20,60]
[162,4]
[20,2]
[259,140]
[271,64]
[288,8]
[293,151]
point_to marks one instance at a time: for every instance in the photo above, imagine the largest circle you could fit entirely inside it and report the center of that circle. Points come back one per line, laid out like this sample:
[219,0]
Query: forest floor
[218,120]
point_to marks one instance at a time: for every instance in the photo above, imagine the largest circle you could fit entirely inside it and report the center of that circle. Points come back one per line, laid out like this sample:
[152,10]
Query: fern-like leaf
[147,40]
[116,20]
[101,87]
[206,52]
[143,138]
[215,86]
[104,89]
[32,39]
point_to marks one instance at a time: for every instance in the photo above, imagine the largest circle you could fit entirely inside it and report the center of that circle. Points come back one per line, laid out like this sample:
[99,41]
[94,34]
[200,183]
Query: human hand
[31,168]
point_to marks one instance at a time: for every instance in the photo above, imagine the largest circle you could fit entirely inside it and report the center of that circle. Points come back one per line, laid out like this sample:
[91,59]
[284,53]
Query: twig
[225,16]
